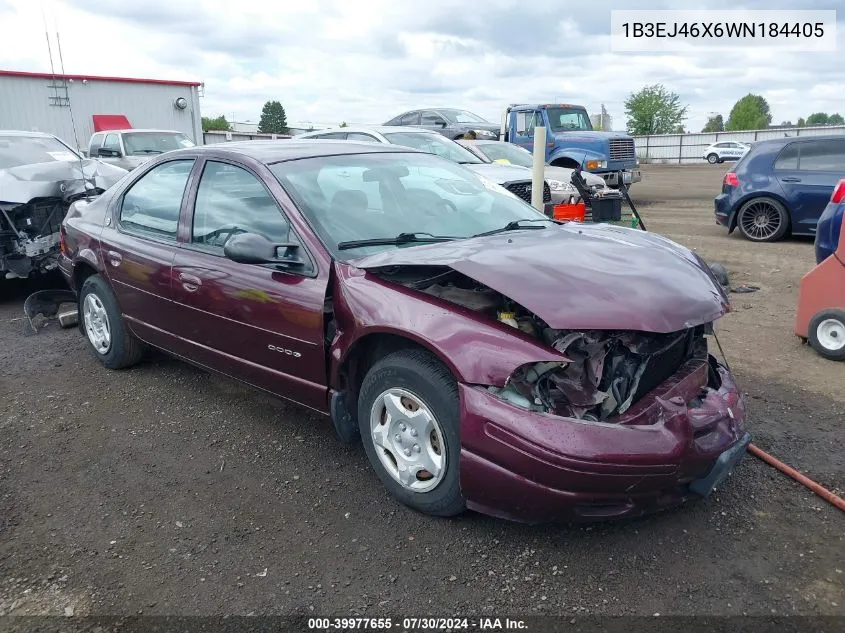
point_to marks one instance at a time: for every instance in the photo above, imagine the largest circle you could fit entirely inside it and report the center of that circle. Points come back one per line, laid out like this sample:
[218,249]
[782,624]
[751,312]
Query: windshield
[568,119]
[146,143]
[27,150]
[367,196]
[433,143]
[462,116]
[509,152]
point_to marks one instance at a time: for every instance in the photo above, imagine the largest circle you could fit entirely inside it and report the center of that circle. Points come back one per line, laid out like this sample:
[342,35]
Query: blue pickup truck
[572,142]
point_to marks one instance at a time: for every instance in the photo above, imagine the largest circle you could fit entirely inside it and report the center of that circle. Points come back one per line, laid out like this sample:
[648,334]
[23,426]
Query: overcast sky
[367,60]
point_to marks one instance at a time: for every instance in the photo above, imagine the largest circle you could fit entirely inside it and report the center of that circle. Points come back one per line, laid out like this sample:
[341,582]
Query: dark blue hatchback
[781,186]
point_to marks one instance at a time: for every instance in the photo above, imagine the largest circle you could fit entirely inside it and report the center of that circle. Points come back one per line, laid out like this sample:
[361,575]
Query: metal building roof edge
[131,80]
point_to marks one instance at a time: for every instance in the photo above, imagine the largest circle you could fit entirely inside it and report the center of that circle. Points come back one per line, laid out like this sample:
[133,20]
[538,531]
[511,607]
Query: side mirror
[440,123]
[108,153]
[251,248]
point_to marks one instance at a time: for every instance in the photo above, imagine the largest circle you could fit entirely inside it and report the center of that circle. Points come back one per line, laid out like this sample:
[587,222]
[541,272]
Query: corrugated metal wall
[27,103]
[689,148]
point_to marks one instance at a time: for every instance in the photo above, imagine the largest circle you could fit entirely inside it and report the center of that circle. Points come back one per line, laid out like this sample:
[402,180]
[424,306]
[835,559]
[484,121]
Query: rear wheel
[827,334]
[762,220]
[409,418]
[712,159]
[104,327]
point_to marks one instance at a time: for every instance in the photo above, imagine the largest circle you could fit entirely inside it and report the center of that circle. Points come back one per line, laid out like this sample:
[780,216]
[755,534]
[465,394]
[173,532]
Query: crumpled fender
[475,349]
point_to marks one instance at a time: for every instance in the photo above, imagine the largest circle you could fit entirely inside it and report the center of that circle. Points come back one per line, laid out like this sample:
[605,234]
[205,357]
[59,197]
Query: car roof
[126,130]
[379,129]
[788,139]
[269,152]
[25,133]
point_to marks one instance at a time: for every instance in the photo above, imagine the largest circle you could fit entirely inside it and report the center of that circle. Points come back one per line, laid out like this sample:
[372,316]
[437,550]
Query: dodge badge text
[283,350]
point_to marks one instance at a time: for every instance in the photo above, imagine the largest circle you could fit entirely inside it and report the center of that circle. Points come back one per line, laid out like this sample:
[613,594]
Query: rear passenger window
[412,118]
[788,157]
[151,206]
[232,200]
[822,156]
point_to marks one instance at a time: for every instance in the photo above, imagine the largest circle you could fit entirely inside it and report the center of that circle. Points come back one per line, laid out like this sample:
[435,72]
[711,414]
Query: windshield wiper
[517,225]
[402,238]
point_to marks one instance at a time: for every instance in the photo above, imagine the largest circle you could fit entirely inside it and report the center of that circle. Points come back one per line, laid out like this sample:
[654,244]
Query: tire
[827,334]
[762,220]
[414,381]
[97,308]
[713,159]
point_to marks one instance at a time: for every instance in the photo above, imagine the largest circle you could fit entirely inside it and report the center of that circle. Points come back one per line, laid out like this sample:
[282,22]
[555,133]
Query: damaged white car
[40,176]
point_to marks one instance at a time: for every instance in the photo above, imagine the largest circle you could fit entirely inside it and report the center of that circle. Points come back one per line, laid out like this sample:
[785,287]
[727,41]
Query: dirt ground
[164,490]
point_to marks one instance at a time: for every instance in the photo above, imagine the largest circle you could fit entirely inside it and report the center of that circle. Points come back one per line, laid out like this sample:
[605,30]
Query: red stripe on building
[130,80]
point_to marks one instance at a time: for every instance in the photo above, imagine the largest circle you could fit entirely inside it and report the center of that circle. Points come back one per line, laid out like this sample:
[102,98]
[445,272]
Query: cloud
[366,61]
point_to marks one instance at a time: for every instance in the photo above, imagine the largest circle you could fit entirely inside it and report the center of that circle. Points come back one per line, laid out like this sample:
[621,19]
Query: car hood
[581,276]
[57,179]
[489,127]
[588,136]
[137,161]
[500,173]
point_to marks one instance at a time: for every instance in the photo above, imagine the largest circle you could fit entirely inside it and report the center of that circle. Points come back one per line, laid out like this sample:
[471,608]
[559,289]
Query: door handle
[190,282]
[790,179]
[115,258]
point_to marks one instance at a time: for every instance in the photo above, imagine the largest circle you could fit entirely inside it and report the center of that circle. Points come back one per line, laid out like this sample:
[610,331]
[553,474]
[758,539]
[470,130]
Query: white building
[45,102]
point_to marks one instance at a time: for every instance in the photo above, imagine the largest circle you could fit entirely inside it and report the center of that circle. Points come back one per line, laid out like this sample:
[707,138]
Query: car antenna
[67,92]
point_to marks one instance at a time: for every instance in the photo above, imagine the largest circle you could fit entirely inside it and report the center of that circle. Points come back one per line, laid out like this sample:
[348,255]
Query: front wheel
[712,159]
[409,418]
[827,334]
[104,327]
[762,220]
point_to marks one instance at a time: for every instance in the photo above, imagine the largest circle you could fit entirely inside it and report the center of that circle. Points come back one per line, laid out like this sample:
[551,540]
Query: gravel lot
[164,490]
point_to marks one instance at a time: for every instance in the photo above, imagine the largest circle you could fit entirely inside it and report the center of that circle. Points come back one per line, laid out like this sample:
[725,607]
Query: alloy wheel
[760,221]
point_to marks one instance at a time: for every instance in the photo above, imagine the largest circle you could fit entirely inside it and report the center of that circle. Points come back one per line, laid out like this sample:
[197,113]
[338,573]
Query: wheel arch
[759,194]
[367,350]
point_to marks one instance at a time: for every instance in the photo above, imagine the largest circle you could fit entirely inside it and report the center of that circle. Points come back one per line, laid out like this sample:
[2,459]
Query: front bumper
[629,177]
[536,467]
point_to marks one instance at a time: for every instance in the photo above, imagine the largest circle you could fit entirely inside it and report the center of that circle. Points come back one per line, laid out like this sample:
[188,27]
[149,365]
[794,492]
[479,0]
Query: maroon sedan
[487,356]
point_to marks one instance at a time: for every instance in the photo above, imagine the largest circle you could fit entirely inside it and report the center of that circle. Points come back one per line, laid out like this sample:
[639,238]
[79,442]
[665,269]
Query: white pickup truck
[133,147]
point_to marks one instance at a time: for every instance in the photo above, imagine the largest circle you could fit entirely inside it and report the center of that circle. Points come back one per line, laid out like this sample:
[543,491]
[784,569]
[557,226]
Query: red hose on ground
[824,493]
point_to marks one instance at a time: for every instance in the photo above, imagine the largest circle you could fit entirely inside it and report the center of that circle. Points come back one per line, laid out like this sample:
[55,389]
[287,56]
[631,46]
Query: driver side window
[232,200]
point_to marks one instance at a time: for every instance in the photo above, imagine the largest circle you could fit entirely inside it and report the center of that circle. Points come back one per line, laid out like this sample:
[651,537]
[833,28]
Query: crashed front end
[627,423]
[30,235]
[615,407]
[34,200]
[636,422]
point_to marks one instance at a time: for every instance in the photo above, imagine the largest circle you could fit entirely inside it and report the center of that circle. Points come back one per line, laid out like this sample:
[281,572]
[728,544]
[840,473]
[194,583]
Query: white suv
[725,150]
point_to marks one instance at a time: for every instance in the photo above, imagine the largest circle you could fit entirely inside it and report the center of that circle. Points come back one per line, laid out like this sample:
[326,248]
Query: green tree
[273,119]
[714,123]
[818,118]
[654,110]
[749,113]
[343,124]
[801,123]
[219,123]
[836,119]
[786,124]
